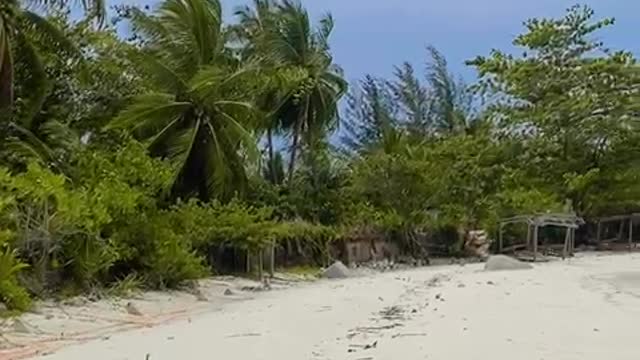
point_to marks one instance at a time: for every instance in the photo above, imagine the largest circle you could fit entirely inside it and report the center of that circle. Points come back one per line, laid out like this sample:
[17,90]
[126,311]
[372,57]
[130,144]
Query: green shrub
[209,225]
[14,296]
[65,225]
[312,236]
[161,254]
[171,260]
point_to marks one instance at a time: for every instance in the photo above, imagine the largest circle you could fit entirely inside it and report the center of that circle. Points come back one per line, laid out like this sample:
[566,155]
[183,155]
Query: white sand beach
[583,308]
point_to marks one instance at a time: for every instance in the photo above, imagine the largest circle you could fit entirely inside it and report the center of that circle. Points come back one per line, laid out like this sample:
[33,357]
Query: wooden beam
[535,242]
[567,239]
[630,232]
[261,265]
[272,259]
[620,230]
[572,242]
[500,238]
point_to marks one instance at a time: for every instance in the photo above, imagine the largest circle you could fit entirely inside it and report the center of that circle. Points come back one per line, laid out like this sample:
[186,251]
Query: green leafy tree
[370,116]
[452,101]
[571,103]
[413,100]
[441,105]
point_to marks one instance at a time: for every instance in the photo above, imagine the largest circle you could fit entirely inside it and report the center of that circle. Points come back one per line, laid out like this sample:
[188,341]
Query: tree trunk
[296,138]
[6,83]
[272,169]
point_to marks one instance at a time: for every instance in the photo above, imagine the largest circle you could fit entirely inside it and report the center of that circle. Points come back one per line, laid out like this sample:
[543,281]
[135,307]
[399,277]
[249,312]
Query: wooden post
[248,262]
[535,242]
[528,236]
[500,239]
[572,242]
[261,265]
[567,240]
[272,259]
[598,232]
[630,232]
[620,230]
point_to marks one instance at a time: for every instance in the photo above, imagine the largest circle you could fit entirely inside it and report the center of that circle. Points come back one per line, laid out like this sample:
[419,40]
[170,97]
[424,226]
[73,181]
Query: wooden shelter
[569,221]
[624,220]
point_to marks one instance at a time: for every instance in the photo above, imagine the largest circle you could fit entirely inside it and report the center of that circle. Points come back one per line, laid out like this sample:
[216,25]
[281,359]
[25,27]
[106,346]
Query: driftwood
[514,248]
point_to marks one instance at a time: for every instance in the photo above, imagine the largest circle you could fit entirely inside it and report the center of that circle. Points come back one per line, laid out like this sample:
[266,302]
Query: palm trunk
[6,82]
[294,150]
[296,139]
[272,169]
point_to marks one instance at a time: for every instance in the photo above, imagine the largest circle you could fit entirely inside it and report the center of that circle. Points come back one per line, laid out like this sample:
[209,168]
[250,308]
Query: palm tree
[25,39]
[311,109]
[199,115]
[15,21]
[254,22]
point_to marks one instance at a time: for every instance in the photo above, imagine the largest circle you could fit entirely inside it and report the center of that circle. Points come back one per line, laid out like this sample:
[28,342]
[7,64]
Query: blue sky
[371,36]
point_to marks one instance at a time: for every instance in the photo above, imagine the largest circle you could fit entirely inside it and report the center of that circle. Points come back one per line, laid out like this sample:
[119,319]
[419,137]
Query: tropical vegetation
[194,145]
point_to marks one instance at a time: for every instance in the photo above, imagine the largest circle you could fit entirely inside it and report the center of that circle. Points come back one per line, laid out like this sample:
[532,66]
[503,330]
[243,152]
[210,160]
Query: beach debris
[252,288]
[228,292]
[371,346]
[437,280]
[371,329]
[392,313]
[408,335]
[502,262]
[132,309]
[477,244]
[353,347]
[266,283]
[244,335]
[200,296]
[337,271]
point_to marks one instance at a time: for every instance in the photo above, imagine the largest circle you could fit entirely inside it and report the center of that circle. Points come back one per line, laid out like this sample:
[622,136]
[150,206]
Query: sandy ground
[583,308]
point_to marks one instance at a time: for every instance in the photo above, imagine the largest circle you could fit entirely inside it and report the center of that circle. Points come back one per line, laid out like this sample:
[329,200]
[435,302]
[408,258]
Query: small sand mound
[337,271]
[502,262]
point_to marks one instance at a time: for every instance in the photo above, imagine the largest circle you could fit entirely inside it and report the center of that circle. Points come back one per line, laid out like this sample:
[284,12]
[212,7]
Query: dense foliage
[193,145]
